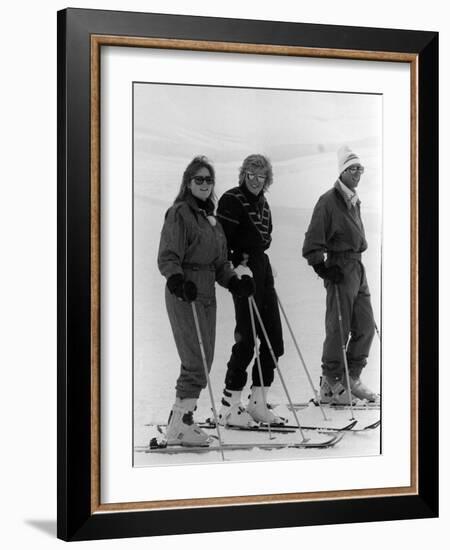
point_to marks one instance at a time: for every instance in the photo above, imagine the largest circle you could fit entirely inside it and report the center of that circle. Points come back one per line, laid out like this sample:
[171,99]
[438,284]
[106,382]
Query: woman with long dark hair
[193,256]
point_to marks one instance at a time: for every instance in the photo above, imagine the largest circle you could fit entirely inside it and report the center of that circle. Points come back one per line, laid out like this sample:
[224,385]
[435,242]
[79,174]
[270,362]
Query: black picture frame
[79,517]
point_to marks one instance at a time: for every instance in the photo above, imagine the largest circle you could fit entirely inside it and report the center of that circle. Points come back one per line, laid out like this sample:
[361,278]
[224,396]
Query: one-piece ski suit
[336,229]
[193,245]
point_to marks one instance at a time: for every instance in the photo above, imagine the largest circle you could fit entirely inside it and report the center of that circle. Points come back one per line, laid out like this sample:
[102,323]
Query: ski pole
[258,360]
[297,347]
[377,331]
[269,345]
[205,367]
[344,352]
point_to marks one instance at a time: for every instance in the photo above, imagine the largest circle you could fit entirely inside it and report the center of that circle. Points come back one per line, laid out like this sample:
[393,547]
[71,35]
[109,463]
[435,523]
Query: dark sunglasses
[198,180]
[354,169]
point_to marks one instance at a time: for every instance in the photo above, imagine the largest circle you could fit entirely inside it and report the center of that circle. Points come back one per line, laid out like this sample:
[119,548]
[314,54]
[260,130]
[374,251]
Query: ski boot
[334,392]
[181,429]
[361,391]
[232,413]
[259,411]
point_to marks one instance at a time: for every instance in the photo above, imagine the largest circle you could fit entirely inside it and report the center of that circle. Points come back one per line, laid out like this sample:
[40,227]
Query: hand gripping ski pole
[343,346]
[205,366]
[269,345]
[297,347]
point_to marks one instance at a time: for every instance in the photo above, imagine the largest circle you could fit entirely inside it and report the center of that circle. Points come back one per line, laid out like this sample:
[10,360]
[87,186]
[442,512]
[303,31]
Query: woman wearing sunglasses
[246,219]
[193,256]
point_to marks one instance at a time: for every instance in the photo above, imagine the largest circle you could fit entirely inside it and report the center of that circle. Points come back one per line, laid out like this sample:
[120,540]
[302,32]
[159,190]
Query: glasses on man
[198,180]
[251,176]
[354,169]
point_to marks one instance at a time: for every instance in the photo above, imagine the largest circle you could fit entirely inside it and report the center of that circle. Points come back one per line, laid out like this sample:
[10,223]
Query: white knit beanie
[346,157]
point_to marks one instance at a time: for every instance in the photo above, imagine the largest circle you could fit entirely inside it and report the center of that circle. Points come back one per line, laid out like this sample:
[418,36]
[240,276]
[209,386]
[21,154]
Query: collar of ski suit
[204,207]
[351,197]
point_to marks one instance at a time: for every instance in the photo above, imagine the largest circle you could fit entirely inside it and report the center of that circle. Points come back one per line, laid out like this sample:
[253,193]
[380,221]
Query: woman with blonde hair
[247,221]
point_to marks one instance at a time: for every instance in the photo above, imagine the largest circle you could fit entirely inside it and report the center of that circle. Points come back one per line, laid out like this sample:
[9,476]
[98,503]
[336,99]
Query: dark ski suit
[191,246]
[247,222]
[336,229]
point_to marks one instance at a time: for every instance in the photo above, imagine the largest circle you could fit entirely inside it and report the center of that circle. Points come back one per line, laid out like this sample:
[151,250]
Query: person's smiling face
[350,176]
[255,180]
[201,184]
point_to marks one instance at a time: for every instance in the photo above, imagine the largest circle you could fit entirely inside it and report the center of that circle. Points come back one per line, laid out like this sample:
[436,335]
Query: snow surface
[156,363]
[300,131]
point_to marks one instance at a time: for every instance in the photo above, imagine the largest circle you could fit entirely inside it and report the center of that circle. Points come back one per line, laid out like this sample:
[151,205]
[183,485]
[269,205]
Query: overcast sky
[300,131]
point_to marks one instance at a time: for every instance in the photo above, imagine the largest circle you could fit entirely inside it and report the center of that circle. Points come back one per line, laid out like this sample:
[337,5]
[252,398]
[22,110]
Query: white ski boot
[259,411]
[361,391]
[181,429]
[334,392]
[232,413]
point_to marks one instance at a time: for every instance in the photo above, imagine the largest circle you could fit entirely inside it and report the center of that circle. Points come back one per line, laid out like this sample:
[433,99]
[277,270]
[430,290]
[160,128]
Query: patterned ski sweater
[246,220]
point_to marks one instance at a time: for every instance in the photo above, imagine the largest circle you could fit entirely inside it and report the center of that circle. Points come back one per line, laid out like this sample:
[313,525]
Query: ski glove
[237,257]
[183,290]
[333,273]
[242,288]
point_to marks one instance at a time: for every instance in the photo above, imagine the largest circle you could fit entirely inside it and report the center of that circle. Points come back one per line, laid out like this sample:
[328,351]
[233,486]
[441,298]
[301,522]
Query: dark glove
[243,287]
[333,273]
[237,257]
[183,290]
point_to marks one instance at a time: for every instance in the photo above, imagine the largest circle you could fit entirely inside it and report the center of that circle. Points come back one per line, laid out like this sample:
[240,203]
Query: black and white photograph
[257,274]
[247,320]
[223,285]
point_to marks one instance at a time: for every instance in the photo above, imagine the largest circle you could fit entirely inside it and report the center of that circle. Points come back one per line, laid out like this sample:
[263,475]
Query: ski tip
[349,426]
[373,426]
[339,437]
[334,438]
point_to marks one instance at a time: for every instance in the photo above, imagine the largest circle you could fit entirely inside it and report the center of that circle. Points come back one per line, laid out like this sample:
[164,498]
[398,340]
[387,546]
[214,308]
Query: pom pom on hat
[346,157]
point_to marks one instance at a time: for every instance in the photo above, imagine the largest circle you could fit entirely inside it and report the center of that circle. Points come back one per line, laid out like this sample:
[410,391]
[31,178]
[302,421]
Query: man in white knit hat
[336,229]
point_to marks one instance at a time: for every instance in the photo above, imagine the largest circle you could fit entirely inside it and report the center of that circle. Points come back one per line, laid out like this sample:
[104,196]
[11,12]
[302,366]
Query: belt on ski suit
[199,267]
[345,255]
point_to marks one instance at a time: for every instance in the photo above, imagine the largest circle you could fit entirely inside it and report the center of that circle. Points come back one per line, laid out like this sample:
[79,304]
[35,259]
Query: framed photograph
[247,274]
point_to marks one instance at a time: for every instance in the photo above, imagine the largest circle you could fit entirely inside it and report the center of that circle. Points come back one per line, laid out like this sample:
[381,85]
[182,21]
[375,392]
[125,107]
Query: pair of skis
[360,405]
[291,428]
[325,437]
[209,424]
[323,442]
